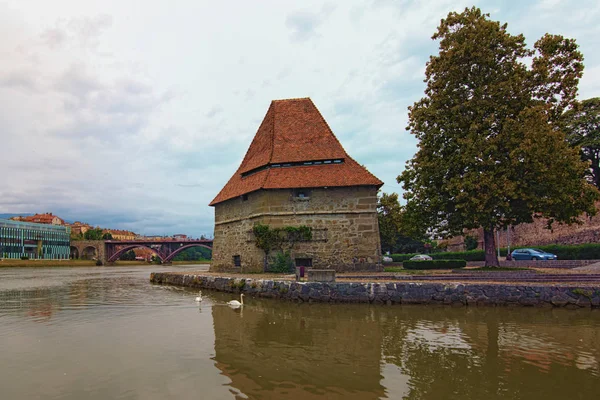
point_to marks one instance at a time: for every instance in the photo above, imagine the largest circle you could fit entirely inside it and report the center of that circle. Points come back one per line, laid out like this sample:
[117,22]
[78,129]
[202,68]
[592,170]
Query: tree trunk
[491,258]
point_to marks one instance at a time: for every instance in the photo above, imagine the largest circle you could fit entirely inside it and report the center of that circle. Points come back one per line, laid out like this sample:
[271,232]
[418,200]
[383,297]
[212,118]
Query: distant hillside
[8,216]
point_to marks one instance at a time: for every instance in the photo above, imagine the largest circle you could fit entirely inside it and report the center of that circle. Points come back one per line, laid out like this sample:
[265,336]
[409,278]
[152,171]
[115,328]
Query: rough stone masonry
[475,294]
[295,173]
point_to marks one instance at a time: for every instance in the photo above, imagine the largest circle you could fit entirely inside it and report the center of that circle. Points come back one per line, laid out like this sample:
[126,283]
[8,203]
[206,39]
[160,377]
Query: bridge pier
[89,249]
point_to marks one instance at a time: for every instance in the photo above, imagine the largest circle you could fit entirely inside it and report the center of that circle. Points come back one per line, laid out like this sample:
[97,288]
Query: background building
[118,234]
[297,173]
[46,218]
[36,241]
[80,228]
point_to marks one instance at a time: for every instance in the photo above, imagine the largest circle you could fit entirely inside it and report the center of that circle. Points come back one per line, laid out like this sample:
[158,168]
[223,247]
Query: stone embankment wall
[343,220]
[474,294]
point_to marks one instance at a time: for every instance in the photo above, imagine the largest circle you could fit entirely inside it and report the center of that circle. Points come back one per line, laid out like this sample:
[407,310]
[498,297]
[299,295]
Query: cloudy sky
[134,114]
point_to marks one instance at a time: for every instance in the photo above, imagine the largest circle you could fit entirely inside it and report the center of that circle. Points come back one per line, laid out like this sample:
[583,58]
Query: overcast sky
[134,114]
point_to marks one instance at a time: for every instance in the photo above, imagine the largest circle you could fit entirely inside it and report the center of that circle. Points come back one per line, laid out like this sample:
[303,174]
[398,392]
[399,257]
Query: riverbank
[449,293]
[82,263]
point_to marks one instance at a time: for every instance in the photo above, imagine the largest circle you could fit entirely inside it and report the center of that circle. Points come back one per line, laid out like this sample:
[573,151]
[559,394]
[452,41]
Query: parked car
[532,254]
[421,257]
[387,259]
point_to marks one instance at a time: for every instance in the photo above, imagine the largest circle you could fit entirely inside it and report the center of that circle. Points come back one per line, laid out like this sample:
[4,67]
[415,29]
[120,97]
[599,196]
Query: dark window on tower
[302,194]
[237,261]
[303,262]
[244,197]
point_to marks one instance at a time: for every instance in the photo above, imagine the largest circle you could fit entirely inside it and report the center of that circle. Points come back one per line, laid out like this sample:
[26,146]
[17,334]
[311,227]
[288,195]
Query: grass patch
[584,293]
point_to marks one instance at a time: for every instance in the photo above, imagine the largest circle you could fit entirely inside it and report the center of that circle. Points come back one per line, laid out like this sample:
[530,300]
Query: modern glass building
[36,241]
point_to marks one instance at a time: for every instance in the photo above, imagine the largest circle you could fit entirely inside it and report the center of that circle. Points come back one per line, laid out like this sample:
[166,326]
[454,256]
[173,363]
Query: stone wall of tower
[343,220]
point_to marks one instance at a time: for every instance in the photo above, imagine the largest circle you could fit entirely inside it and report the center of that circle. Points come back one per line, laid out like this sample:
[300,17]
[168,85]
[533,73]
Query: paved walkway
[592,268]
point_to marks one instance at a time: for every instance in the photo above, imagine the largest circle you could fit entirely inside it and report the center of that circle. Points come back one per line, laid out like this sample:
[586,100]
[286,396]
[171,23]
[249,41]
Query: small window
[276,165]
[318,162]
[308,163]
[327,162]
[337,161]
[244,197]
[237,261]
[302,194]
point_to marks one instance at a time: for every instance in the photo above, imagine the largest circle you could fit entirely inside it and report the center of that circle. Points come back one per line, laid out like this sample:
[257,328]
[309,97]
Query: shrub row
[434,264]
[589,251]
[473,255]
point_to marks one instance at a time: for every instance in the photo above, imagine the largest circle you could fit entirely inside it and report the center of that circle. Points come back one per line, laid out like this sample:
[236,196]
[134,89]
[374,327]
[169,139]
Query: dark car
[532,254]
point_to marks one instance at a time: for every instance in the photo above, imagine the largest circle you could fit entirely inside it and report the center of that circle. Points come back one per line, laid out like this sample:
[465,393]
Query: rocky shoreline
[449,293]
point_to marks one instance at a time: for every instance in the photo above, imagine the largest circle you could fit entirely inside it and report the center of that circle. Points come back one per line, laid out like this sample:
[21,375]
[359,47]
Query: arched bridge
[165,249]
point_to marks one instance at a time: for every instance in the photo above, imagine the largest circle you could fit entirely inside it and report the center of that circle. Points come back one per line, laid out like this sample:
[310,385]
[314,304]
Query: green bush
[473,255]
[434,264]
[470,243]
[402,257]
[24,258]
[282,263]
[588,251]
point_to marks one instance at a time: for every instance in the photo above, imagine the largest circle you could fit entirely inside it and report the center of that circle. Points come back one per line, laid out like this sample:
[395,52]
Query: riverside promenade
[518,288]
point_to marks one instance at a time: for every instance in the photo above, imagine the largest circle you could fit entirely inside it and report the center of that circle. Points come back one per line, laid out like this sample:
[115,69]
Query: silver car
[421,257]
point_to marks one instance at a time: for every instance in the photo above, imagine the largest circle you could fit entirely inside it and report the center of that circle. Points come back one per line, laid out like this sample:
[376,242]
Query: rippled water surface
[107,333]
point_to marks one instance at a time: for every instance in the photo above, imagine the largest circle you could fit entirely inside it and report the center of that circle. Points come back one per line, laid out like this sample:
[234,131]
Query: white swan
[199,298]
[235,303]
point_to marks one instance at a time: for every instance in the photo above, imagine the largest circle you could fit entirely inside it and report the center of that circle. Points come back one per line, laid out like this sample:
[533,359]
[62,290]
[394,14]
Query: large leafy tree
[399,230]
[582,127]
[490,152]
[389,215]
[93,234]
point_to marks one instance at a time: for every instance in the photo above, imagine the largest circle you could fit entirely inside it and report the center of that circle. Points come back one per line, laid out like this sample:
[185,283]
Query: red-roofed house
[295,173]
[46,218]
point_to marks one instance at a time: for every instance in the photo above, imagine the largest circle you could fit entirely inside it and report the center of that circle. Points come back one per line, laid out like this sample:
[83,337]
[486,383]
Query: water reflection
[316,351]
[299,352]
[107,333]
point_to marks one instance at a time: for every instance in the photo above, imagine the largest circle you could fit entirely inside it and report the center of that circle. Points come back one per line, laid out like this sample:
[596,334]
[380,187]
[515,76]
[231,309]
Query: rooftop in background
[31,225]
[46,218]
[294,147]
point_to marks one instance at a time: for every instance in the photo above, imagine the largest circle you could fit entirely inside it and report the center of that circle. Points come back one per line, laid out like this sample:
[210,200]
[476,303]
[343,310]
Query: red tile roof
[294,131]
[46,218]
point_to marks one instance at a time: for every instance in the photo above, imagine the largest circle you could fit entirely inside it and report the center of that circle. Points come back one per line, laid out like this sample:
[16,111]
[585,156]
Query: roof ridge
[328,127]
[365,168]
[272,132]
[291,99]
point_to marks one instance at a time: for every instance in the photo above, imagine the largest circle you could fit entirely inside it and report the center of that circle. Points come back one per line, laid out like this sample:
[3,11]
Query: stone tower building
[297,173]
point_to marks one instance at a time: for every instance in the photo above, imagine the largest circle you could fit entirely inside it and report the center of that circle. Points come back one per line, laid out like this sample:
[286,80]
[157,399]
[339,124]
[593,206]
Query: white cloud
[135,117]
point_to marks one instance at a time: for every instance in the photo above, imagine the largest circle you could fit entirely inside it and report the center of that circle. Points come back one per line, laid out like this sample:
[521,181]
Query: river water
[107,333]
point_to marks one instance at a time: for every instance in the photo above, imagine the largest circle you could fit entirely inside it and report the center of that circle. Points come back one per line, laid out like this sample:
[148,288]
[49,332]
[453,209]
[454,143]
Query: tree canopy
[490,151]
[93,234]
[398,234]
[582,127]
